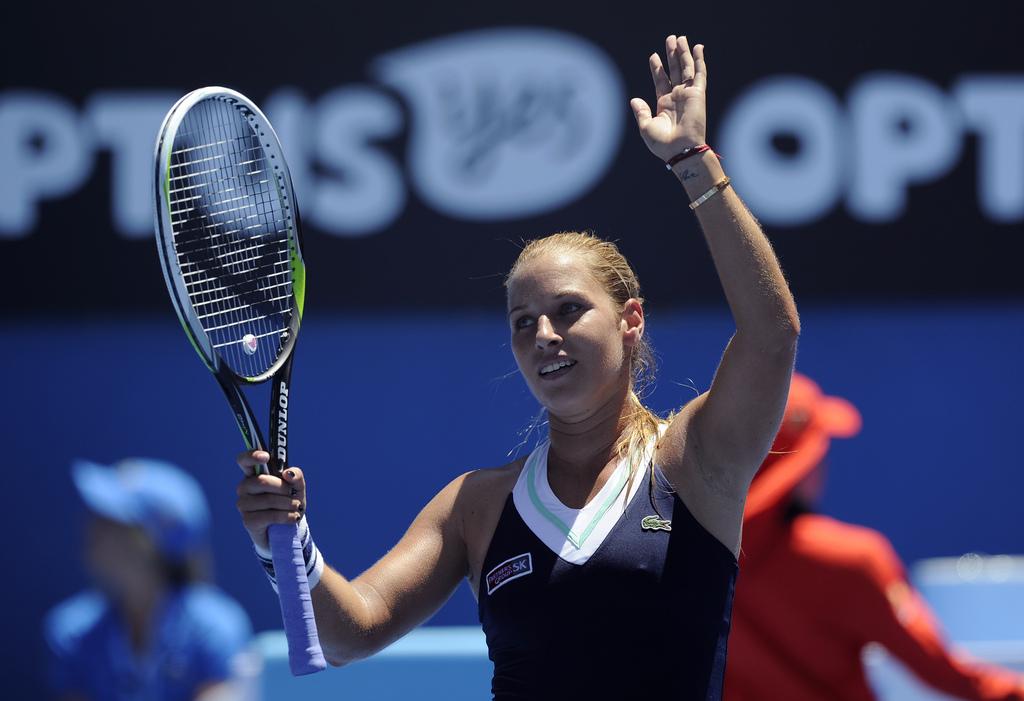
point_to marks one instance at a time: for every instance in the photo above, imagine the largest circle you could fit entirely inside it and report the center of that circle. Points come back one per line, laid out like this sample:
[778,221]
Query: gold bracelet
[716,188]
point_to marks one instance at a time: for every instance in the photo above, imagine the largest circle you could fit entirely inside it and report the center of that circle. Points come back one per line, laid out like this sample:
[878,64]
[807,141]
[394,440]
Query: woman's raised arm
[726,432]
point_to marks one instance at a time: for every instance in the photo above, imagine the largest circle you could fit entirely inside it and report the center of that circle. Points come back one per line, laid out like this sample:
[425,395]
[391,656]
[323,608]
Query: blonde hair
[611,269]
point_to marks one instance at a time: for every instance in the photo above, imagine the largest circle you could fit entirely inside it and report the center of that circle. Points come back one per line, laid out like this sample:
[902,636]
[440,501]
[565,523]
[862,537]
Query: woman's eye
[571,308]
[523,322]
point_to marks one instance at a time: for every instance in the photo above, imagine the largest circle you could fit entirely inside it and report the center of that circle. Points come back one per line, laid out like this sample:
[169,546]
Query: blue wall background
[387,409]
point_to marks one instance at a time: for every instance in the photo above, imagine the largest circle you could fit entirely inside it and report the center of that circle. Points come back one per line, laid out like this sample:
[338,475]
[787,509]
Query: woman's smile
[557,368]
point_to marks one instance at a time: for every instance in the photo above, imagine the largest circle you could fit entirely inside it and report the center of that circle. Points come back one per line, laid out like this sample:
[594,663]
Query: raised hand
[680,118]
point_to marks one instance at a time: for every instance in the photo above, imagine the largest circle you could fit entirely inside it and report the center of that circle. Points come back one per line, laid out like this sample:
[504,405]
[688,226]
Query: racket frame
[304,652]
[165,231]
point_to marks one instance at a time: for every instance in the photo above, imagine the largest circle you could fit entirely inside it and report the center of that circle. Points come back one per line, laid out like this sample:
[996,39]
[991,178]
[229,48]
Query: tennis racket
[227,230]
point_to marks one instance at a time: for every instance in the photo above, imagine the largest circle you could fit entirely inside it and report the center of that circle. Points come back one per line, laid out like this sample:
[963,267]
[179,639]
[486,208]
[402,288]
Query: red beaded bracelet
[692,151]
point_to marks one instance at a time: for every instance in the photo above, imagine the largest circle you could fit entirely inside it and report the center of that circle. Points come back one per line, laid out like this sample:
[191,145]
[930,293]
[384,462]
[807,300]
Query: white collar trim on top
[575,534]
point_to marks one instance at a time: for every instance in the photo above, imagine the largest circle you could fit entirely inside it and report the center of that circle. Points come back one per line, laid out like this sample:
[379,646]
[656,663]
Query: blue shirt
[201,636]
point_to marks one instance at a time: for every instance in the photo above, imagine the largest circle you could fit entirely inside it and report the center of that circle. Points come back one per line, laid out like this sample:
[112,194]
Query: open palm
[680,118]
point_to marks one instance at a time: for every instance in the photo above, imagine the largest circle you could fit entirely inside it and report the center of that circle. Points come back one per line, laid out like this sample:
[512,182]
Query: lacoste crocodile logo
[655,523]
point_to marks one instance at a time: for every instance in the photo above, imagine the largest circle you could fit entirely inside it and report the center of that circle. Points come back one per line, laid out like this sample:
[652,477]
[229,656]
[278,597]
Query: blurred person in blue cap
[152,628]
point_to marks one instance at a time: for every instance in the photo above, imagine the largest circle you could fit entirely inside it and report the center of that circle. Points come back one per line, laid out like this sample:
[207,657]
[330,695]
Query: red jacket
[806,606]
[813,591]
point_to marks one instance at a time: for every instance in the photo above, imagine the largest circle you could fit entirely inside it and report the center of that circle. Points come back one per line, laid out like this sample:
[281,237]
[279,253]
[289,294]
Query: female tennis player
[604,562]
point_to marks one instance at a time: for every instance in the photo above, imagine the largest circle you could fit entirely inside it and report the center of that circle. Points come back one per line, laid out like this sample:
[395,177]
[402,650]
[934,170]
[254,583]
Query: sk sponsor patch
[512,568]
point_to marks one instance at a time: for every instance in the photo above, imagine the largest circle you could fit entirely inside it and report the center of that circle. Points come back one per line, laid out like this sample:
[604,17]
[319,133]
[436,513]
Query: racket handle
[304,653]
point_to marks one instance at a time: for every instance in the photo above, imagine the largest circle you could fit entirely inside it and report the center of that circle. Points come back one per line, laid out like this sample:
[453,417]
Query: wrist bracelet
[310,554]
[686,153]
[715,189]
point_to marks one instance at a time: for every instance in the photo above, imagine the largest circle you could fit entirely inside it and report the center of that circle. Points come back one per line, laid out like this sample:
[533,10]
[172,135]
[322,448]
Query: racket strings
[231,229]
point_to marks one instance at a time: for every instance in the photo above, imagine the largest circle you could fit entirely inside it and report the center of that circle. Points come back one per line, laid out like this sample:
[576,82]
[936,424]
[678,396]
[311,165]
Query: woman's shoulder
[476,493]
[473,494]
[489,483]
[479,502]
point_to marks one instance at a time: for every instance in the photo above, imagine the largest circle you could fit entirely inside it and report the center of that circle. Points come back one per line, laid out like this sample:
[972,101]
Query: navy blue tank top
[645,617]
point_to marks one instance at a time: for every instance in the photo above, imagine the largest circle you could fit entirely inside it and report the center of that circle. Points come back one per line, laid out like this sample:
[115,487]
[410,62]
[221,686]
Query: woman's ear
[632,322]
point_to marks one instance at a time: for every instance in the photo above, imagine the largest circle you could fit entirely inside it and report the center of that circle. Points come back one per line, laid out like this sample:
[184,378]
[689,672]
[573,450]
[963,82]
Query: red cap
[811,420]
[808,408]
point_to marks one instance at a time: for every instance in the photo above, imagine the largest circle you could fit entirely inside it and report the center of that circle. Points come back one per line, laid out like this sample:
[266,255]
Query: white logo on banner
[345,183]
[507,123]
[45,153]
[897,130]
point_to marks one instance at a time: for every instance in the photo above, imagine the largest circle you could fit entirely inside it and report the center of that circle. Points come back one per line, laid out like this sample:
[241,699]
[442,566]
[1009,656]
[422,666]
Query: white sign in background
[895,131]
[511,123]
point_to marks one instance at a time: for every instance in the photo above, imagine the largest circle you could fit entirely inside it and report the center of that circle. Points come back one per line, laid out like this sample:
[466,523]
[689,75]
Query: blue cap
[157,496]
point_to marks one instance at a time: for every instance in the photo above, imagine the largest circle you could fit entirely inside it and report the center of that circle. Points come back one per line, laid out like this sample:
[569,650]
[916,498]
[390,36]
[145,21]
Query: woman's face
[570,340]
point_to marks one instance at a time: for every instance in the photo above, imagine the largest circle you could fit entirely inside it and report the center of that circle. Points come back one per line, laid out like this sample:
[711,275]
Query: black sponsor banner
[881,147]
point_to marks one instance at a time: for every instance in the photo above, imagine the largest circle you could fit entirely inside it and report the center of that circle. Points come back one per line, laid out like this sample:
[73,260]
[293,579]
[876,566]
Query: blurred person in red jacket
[814,591]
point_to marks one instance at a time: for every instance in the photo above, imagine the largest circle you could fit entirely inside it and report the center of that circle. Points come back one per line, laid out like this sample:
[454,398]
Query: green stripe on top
[577,540]
[604,507]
